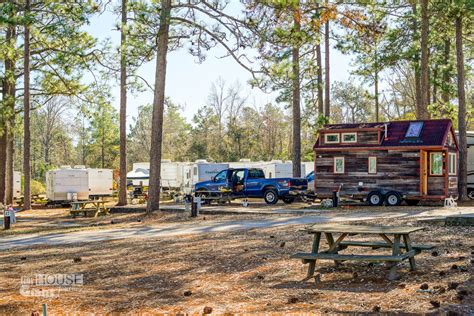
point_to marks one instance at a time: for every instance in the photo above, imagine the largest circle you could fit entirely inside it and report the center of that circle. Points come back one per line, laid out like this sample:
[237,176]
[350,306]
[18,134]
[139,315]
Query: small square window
[372,165]
[331,138]
[349,137]
[436,164]
[452,163]
[414,130]
[338,164]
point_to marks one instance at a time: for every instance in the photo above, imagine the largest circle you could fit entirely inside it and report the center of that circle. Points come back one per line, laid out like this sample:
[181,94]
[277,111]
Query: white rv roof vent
[65,167]
[201,161]
[79,167]
[245,160]
[165,160]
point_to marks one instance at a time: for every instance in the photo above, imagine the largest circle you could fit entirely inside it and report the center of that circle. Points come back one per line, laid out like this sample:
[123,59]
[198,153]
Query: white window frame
[454,164]
[326,141]
[368,165]
[350,141]
[343,165]
[431,163]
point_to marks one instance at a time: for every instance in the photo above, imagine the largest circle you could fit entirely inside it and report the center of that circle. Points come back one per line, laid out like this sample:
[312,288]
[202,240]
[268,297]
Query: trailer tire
[375,198]
[412,202]
[270,196]
[393,198]
[470,193]
[288,199]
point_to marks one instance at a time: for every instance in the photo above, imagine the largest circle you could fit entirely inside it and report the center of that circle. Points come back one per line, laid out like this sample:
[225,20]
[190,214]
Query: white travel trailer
[245,163]
[199,171]
[67,184]
[280,169]
[16,184]
[171,174]
[308,167]
[100,182]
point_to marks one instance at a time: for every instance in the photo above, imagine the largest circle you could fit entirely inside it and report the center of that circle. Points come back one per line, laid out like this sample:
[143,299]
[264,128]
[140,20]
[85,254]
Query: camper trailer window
[338,164]
[349,137]
[331,138]
[452,164]
[372,165]
[436,164]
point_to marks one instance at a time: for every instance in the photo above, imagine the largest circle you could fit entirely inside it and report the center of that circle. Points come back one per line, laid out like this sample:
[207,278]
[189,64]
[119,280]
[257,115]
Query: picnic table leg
[407,241]
[330,240]
[395,252]
[314,249]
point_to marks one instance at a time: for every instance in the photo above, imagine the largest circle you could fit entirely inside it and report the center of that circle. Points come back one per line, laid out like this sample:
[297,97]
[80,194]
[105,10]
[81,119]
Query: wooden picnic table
[344,230]
[80,207]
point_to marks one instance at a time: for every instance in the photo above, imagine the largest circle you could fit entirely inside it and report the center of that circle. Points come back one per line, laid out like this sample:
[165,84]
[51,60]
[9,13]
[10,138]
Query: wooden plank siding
[396,170]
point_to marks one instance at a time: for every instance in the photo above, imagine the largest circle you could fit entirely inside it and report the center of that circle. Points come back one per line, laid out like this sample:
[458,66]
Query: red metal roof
[433,133]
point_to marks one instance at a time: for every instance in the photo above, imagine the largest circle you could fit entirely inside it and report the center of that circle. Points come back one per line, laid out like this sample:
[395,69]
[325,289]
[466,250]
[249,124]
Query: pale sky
[188,83]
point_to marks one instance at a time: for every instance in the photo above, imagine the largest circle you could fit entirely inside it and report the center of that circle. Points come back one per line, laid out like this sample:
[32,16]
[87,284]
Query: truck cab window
[221,176]
[256,174]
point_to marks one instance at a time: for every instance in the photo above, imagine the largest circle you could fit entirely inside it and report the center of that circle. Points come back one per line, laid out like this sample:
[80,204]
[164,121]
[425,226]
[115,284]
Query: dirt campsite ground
[238,268]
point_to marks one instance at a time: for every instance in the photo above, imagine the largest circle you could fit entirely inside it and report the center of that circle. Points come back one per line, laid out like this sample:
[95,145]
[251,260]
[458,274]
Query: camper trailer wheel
[270,196]
[393,198]
[288,199]
[470,193]
[375,198]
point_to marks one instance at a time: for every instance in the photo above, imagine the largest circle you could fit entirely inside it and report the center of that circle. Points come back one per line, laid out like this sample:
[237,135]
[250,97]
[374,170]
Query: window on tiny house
[331,138]
[414,130]
[349,137]
[436,164]
[372,165]
[452,163]
[338,164]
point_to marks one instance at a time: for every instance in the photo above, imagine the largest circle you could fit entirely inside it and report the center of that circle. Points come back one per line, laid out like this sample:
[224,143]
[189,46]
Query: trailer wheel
[375,198]
[412,202]
[270,196]
[470,194]
[288,199]
[393,198]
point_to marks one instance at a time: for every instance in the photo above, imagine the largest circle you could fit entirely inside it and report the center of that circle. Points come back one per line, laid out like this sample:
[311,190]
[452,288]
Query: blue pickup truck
[251,183]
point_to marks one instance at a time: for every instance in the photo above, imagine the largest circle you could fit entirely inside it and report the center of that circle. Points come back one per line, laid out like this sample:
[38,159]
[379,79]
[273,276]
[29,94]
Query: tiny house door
[424,173]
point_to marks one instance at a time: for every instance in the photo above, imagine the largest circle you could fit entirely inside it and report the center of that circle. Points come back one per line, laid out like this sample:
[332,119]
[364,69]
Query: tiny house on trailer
[387,162]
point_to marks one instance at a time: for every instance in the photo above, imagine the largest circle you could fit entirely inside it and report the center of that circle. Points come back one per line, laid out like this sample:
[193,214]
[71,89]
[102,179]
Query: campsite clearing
[247,269]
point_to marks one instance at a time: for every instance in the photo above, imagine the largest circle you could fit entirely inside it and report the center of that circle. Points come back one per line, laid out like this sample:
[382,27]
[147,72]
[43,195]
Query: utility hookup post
[196,205]
[6,219]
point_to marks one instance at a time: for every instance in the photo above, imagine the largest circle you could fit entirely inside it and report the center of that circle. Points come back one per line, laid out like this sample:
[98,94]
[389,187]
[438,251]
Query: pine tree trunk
[3,161]
[10,158]
[445,95]
[462,183]
[123,108]
[320,80]
[422,111]
[327,82]
[416,59]
[158,108]
[296,97]
[376,93]
[26,117]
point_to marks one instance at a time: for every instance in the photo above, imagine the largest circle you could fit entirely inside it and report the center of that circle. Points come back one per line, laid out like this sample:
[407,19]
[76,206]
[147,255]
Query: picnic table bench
[332,253]
[97,208]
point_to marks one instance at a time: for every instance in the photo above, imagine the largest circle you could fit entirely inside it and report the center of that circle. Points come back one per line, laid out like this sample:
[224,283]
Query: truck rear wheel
[375,198]
[270,196]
